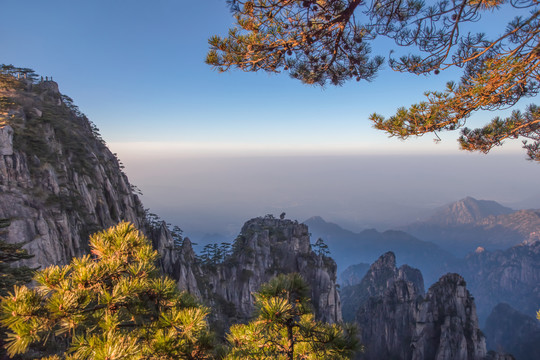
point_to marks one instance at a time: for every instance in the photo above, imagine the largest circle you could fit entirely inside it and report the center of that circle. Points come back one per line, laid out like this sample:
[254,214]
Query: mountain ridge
[349,248]
[467,210]
[463,226]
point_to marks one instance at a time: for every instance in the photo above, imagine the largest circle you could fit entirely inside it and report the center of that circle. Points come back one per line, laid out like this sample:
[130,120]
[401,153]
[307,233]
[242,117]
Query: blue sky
[136,68]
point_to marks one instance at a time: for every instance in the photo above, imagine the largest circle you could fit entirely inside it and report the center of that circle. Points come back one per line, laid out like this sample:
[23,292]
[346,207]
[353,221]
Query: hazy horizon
[206,193]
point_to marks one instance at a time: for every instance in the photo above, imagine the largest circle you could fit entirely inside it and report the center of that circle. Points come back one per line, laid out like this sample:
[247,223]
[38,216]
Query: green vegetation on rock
[286,329]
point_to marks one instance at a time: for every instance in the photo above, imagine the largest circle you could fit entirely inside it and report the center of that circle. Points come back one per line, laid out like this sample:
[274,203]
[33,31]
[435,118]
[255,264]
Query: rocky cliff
[266,247]
[59,183]
[398,321]
[58,180]
[447,325]
[511,276]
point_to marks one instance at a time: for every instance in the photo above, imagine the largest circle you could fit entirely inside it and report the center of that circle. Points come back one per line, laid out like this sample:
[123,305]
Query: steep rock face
[447,324]
[386,299]
[516,333]
[58,180]
[267,247]
[511,276]
[179,262]
[397,321]
[380,277]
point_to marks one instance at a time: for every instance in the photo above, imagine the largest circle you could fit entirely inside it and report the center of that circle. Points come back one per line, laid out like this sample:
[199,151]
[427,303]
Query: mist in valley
[212,194]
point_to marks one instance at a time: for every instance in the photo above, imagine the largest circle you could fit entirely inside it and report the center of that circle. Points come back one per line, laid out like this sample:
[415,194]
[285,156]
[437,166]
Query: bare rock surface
[265,248]
[398,321]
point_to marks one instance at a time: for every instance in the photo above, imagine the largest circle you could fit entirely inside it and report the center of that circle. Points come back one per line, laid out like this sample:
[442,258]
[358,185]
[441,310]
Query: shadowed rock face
[381,276]
[511,276]
[511,331]
[447,324]
[267,247]
[397,321]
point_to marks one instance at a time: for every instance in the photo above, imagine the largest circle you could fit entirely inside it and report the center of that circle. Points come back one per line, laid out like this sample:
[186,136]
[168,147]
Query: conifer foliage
[321,248]
[329,42]
[285,328]
[112,304]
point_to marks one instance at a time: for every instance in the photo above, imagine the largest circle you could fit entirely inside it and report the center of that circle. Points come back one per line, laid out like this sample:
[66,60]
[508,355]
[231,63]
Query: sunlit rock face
[398,321]
[58,181]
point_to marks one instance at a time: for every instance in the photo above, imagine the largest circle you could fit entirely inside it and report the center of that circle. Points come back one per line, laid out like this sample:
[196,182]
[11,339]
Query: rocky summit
[397,321]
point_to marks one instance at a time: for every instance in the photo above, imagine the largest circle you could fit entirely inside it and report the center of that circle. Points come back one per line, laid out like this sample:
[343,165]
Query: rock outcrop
[386,309]
[447,325]
[397,321]
[266,247]
[511,276]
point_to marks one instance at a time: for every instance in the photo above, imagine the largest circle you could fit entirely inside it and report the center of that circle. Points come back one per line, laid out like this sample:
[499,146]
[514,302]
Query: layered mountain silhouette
[465,225]
[350,248]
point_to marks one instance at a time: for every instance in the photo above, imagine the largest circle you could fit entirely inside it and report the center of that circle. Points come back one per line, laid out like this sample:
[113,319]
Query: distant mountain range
[349,248]
[467,211]
[463,226]
[435,244]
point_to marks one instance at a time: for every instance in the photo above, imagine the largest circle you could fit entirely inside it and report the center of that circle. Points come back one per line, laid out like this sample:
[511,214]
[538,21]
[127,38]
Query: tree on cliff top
[111,305]
[286,329]
[328,42]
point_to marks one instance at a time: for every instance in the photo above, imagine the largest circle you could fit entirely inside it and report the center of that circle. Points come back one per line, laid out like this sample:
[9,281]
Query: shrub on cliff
[285,328]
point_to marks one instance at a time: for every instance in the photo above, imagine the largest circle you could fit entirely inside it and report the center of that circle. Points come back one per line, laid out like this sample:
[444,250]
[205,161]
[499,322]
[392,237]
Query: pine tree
[285,328]
[329,42]
[321,248]
[112,304]
[11,276]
